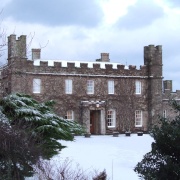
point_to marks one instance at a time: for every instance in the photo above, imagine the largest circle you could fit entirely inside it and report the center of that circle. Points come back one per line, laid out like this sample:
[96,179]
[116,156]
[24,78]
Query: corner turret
[153,59]
[16,48]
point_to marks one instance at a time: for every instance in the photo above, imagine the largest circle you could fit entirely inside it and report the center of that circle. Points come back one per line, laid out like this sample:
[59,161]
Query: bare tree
[66,170]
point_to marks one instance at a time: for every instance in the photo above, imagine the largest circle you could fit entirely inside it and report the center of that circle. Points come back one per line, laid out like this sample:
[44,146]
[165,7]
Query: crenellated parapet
[152,66]
[79,67]
[153,59]
[168,94]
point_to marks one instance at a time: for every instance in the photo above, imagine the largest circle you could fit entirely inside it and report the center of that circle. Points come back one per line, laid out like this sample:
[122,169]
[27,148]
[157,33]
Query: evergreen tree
[163,162]
[18,153]
[39,120]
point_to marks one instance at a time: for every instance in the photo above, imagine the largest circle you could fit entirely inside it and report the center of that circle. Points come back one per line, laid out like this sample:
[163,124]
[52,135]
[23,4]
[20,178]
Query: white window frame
[68,86]
[111,87]
[69,115]
[164,114]
[36,86]
[138,87]
[90,87]
[111,118]
[138,118]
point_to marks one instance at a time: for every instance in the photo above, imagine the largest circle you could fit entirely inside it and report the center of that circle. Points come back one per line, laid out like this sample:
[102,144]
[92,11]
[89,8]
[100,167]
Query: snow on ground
[118,155]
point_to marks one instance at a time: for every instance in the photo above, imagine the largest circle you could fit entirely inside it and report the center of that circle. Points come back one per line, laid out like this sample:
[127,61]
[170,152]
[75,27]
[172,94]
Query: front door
[94,122]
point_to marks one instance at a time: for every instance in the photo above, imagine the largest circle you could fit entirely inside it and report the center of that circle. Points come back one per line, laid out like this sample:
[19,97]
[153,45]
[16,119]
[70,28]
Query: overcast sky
[82,29]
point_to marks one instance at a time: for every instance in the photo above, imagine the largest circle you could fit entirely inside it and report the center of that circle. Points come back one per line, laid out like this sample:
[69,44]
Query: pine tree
[18,153]
[40,121]
[163,162]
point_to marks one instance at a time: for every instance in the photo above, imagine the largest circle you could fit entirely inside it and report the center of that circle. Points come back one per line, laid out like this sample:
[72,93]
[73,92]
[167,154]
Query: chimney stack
[36,54]
[167,84]
[105,57]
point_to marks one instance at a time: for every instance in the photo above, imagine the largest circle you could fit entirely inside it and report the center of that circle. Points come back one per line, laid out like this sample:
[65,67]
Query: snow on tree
[18,152]
[163,162]
[40,120]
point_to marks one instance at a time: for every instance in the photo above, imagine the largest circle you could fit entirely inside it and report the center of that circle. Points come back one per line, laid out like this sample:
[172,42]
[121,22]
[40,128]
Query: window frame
[69,115]
[138,118]
[110,86]
[165,113]
[138,87]
[112,123]
[90,86]
[36,85]
[68,86]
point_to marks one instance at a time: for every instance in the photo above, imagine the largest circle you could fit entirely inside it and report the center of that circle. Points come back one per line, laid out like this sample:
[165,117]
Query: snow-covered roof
[77,63]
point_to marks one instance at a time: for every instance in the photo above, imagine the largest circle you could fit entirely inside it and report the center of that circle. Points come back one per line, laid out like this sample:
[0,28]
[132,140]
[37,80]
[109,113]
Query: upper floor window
[111,118]
[164,114]
[69,115]
[36,85]
[138,87]
[110,87]
[138,118]
[68,86]
[90,87]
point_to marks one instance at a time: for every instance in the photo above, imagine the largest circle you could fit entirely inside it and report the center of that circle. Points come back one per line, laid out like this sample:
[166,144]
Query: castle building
[101,95]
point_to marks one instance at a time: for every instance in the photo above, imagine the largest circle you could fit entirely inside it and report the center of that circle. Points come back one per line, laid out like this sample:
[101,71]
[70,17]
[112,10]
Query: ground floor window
[138,118]
[111,117]
[69,115]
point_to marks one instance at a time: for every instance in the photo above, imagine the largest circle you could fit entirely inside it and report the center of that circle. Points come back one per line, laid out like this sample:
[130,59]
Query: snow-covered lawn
[118,155]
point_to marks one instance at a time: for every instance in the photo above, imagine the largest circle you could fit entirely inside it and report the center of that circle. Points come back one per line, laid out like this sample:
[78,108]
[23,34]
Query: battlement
[153,55]
[171,95]
[83,67]
[84,64]
[168,91]
[16,47]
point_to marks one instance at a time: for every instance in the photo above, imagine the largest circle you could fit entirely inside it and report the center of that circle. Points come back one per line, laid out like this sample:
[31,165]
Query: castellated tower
[16,48]
[153,61]
[17,59]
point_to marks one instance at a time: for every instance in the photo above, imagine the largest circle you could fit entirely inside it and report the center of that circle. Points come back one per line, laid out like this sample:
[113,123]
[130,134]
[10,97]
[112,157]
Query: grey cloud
[55,12]
[143,13]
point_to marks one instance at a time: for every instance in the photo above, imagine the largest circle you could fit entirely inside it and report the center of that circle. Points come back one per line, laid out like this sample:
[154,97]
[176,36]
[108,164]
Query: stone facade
[101,95]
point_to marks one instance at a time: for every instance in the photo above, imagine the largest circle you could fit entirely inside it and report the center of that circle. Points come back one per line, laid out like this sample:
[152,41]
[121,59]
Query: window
[68,86]
[90,87]
[69,115]
[164,114]
[138,87]
[36,85]
[138,118]
[111,116]
[111,87]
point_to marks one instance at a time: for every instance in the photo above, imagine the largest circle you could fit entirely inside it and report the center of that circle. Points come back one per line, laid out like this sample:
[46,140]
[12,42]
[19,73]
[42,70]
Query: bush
[163,162]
